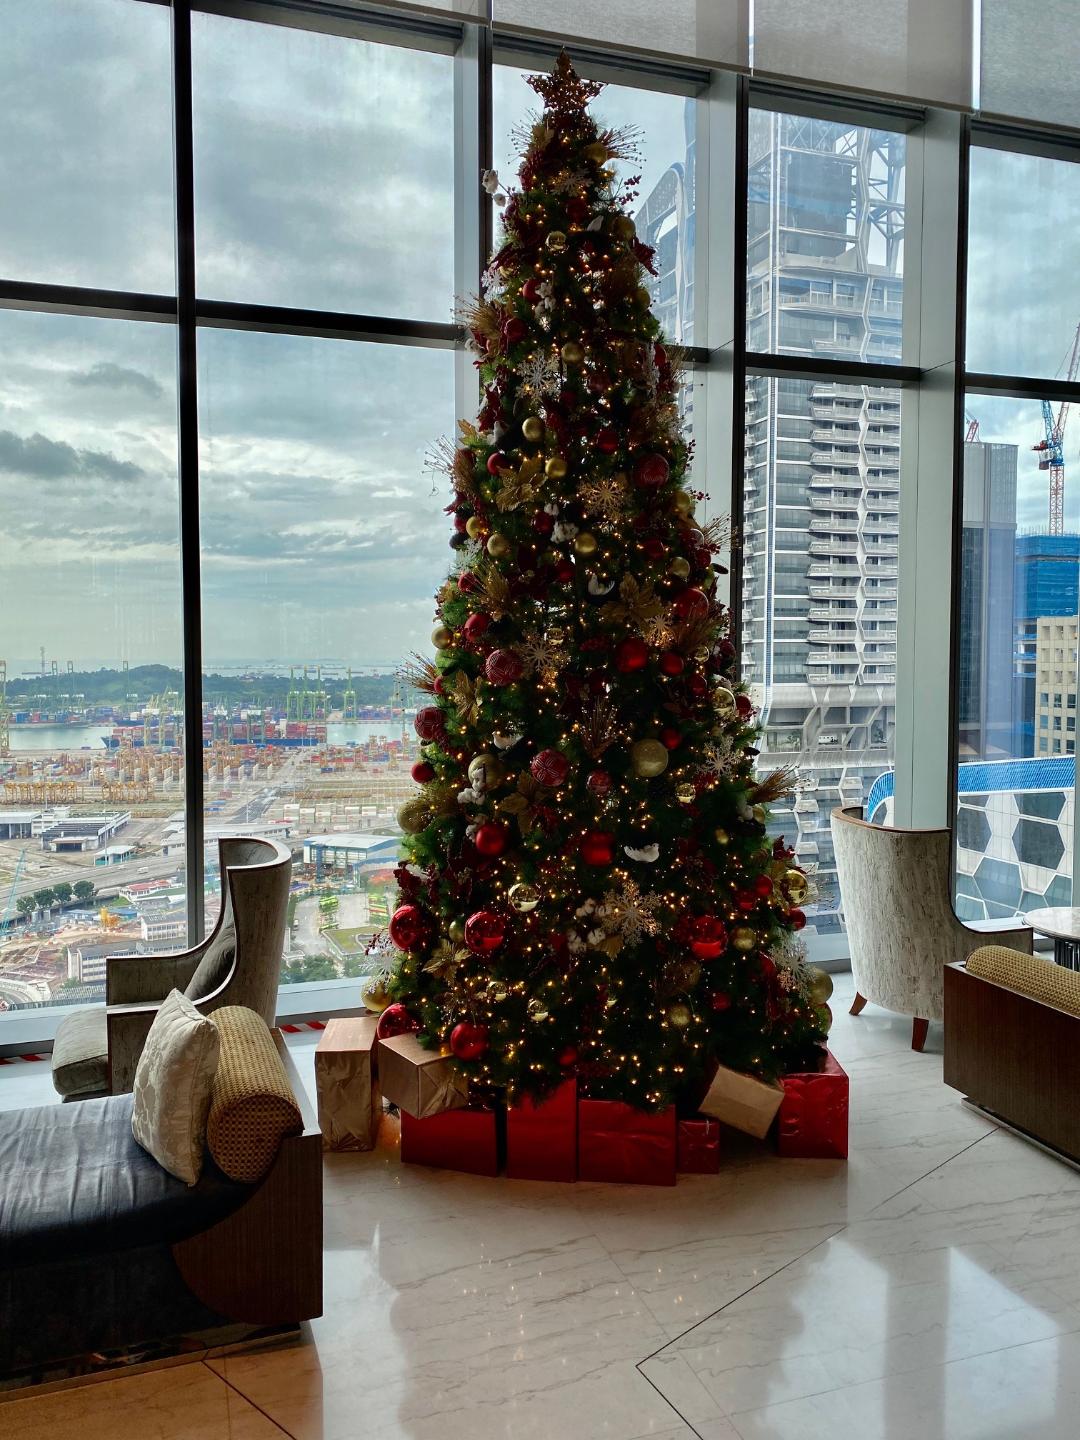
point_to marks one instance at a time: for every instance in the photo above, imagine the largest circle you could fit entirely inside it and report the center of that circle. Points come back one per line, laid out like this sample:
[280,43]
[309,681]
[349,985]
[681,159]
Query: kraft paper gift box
[420,1082]
[347,1084]
[743,1101]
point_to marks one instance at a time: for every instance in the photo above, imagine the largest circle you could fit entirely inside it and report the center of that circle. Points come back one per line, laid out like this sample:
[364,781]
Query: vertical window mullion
[188,459]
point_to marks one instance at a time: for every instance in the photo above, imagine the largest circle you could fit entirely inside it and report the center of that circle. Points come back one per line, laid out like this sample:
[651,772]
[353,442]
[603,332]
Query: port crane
[10,906]
[1050,448]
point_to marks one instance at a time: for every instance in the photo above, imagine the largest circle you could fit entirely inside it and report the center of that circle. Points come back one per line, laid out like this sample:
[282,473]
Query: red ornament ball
[631,654]
[692,604]
[497,461]
[744,706]
[430,723]
[490,839]
[396,1020]
[568,1056]
[746,900]
[797,918]
[466,582]
[720,1000]
[504,667]
[468,1041]
[577,209]
[514,330]
[670,738]
[654,548]
[652,471]
[530,291]
[672,663]
[763,886]
[550,767]
[599,783]
[607,441]
[407,926]
[475,627]
[697,685]
[543,523]
[564,572]
[422,772]
[485,931]
[708,937]
[598,848]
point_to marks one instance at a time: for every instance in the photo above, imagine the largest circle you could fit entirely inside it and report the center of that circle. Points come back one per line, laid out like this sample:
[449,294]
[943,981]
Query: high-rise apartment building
[1046,583]
[1055,684]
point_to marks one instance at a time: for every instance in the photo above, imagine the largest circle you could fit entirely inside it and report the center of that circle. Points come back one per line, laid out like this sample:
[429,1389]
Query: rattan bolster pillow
[1027,975]
[252,1108]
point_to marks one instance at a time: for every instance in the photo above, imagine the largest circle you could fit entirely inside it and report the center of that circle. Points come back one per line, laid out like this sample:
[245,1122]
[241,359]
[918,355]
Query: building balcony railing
[833,637]
[888,503]
[825,434]
[872,528]
[883,547]
[883,459]
[817,301]
[832,547]
[849,458]
[834,502]
[880,592]
[833,526]
[818,613]
[839,391]
[841,480]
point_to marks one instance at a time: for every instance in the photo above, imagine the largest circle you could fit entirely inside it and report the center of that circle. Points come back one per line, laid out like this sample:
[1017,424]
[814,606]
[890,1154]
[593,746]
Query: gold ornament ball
[649,758]
[721,836]
[556,241]
[701,654]
[556,468]
[685,794]
[498,546]
[442,637]
[523,897]
[824,1016]
[413,816]
[456,931]
[623,227]
[682,975]
[684,503]
[642,296]
[537,1010]
[744,938]
[724,700]
[533,429]
[586,543]
[497,991]
[679,567]
[572,352]
[556,634]
[796,887]
[679,1015]
[373,993]
[485,770]
[597,152]
[760,814]
[474,527]
[821,985]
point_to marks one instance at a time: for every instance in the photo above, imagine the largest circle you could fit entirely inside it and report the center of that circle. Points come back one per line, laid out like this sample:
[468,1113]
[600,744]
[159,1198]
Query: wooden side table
[347,1084]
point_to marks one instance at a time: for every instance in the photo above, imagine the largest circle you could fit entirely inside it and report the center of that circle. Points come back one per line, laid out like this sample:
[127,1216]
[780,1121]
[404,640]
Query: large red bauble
[763,886]
[577,209]
[692,604]
[466,582]
[568,1056]
[651,471]
[407,926]
[654,548]
[598,848]
[485,931]
[672,663]
[396,1020]
[797,918]
[720,1000]
[550,767]
[543,523]
[631,654]
[460,522]
[697,685]
[708,937]
[746,900]
[468,1041]
[514,330]
[564,572]
[599,783]
[430,723]
[504,667]
[496,461]
[490,839]
[607,441]
[475,627]
[422,772]
[530,291]
[744,706]
[670,738]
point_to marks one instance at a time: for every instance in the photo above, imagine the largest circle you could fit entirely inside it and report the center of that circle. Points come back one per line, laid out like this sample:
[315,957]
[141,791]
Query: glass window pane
[664,209]
[91,784]
[825,238]
[324,171]
[324,539]
[820,549]
[1023,256]
[1017,671]
[86,144]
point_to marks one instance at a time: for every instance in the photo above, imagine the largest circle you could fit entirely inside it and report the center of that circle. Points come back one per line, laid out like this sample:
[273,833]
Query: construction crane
[10,906]
[972,433]
[5,713]
[1051,449]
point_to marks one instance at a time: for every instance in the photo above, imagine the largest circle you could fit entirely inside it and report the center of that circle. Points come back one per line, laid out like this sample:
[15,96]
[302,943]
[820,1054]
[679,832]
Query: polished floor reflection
[928,1290]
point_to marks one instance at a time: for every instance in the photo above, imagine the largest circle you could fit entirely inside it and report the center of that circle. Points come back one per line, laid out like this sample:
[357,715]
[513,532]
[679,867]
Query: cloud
[39,457]
[106,375]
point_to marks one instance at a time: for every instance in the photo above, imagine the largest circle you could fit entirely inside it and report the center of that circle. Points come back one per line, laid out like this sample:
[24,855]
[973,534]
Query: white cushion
[172,1087]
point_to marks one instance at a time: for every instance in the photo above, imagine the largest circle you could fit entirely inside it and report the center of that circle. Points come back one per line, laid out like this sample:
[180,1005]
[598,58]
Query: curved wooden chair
[895,893]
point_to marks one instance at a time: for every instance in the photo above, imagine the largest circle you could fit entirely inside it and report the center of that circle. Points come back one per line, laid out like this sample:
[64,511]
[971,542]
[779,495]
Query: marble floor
[927,1290]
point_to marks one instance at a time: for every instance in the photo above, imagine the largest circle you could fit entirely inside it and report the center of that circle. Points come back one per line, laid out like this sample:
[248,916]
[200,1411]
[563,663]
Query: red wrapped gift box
[454,1140]
[698,1146]
[813,1120]
[625,1146]
[542,1140]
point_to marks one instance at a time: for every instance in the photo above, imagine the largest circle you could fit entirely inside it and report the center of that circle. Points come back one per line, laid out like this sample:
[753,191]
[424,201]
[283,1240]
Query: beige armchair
[239,963]
[895,893]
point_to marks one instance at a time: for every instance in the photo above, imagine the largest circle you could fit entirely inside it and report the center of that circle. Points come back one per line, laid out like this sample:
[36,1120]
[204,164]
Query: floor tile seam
[231,1385]
[932,1171]
[762,1280]
[667,1401]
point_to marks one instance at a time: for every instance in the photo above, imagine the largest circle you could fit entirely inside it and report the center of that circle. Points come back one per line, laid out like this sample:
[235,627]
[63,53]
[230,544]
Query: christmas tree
[587,886]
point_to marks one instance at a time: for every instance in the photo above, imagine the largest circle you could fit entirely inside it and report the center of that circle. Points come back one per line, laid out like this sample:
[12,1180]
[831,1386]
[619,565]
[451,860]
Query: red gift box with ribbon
[812,1123]
[468,1140]
[625,1146]
[698,1146]
[542,1140]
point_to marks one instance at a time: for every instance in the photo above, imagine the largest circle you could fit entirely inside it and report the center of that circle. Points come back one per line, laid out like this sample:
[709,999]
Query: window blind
[706,32]
[1031,60]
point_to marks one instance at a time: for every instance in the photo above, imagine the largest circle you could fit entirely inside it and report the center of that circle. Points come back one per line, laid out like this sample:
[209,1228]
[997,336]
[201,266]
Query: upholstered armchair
[239,963]
[895,893]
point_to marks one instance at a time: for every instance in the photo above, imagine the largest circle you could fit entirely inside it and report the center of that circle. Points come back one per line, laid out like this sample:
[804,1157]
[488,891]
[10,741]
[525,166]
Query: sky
[324,178]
